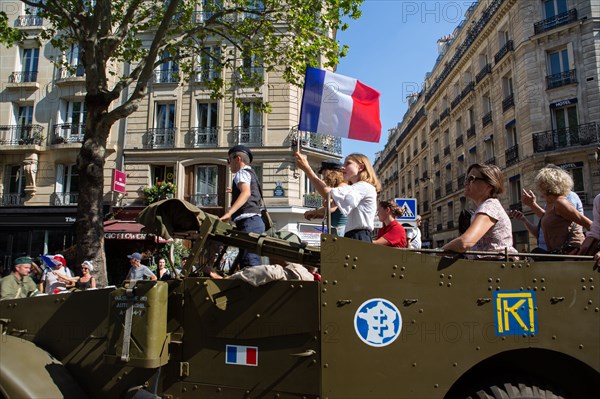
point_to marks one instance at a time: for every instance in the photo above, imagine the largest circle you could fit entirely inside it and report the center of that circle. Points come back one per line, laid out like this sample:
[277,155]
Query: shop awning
[127,230]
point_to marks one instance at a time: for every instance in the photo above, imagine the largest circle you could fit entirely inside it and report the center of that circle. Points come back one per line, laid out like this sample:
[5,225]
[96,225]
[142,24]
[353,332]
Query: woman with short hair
[490,228]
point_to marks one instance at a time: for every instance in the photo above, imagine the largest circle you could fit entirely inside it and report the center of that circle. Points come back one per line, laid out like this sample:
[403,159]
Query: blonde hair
[553,180]
[368,173]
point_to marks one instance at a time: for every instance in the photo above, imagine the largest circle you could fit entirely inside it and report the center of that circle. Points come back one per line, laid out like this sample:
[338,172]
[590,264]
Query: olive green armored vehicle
[382,323]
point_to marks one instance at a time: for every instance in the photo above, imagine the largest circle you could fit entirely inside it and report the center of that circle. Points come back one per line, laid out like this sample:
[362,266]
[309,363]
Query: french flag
[241,355]
[339,106]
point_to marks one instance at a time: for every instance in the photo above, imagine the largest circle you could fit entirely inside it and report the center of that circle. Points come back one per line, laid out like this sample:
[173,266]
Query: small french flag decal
[241,355]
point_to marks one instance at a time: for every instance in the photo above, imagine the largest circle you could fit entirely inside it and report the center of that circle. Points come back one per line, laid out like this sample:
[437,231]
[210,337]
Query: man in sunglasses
[245,200]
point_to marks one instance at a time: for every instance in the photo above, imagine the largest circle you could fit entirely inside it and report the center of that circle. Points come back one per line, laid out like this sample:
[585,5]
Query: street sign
[119,181]
[409,208]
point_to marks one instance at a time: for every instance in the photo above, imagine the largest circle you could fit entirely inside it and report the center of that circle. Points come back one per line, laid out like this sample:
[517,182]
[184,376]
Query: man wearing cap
[139,271]
[245,200]
[18,284]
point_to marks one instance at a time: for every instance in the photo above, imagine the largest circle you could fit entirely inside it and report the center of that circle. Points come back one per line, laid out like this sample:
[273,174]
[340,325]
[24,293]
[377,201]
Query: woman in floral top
[490,228]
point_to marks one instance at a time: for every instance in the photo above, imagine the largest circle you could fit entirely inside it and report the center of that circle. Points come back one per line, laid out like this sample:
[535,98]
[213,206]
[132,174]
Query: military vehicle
[382,323]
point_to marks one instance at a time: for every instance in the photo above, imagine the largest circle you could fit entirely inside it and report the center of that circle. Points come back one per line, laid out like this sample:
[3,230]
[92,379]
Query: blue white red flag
[339,106]
[53,260]
[241,355]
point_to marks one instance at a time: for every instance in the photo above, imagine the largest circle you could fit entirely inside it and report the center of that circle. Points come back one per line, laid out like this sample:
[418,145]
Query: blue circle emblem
[377,322]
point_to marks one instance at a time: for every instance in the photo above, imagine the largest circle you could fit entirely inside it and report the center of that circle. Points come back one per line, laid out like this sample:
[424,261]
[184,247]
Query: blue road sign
[409,207]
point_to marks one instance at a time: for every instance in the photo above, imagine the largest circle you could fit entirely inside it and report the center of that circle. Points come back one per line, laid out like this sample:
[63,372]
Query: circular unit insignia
[377,322]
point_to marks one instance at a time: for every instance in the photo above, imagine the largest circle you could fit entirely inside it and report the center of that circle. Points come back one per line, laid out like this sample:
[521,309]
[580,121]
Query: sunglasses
[471,178]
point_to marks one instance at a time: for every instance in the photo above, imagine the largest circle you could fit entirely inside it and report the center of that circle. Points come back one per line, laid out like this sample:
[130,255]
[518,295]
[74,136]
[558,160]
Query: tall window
[72,114]
[565,121]
[577,175]
[471,115]
[489,149]
[74,62]
[165,115]
[206,185]
[507,86]
[511,136]
[486,103]
[559,61]
[515,190]
[208,64]
[162,173]
[168,70]
[554,7]
[16,179]
[24,122]
[250,131]
[67,184]
[207,115]
[29,64]
[503,38]
[450,214]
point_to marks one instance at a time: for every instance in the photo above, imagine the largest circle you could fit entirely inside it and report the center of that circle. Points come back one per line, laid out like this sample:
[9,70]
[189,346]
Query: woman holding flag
[357,201]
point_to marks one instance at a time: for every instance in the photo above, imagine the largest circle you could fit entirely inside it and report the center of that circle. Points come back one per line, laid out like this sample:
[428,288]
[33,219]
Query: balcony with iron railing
[202,137]
[416,181]
[201,17]
[448,188]
[486,70]
[166,76]
[204,75]
[312,201]
[436,158]
[444,114]
[487,119]
[503,51]
[561,79]
[21,134]
[459,140]
[551,140]
[64,199]
[456,101]
[490,161]
[23,77]
[12,199]
[434,124]
[415,152]
[161,137]
[555,21]
[471,131]
[204,200]
[316,141]
[512,155]
[423,144]
[425,176]
[508,102]
[68,133]
[70,74]
[461,180]
[468,88]
[446,150]
[28,20]
[247,135]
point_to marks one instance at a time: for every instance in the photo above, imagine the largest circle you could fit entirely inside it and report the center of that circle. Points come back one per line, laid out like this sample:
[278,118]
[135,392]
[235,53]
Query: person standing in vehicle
[18,284]
[392,234]
[163,273]
[245,200]
[137,270]
[358,201]
[331,172]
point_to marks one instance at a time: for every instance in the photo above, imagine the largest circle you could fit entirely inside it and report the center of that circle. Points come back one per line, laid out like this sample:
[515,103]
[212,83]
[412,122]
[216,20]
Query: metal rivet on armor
[591,279]
[503,266]
[554,337]
[395,267]
[583,287]
[420,310]
[195,387]
[449,284]
[258,315]
[535,280]
[477,348]
[585,308]
[403,268]
[583,280]
[394,275]
[324,290]
[580,346]
[347,256]
[402,276]
[591,287]
[490,280]
[442,275]
[355,258]
[449,277]
[454,364]
[414,364]
[597,310]
[436,385]
[354,266]
[334,239]
[441,283]
[334,282]
[324,304]
[325,365]
[543,280]
[490,288]
[543,288]
[346,264]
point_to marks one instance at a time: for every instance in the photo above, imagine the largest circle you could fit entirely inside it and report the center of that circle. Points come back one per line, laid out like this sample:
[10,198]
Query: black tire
[515,391]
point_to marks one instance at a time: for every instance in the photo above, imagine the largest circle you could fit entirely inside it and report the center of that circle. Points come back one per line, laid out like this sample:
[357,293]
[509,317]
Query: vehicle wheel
[515,391]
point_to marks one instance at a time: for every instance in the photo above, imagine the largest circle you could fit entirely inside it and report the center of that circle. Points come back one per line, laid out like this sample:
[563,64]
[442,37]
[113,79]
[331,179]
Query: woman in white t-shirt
[358,200]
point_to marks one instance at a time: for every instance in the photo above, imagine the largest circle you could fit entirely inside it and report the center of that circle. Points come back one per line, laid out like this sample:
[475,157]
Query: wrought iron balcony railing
[23,77]
[471,131]
[166,76]
[436,158]
[503,51]
[555,21]
[456,101]
[28,20]
[21,134]
[487,69]
[204,75]
[12,199]
[487,119]
[468,88]
[444,114]
[203,137]
[561,79]
[459,140]
[76,71]
[250,135]
[64,199]
[434,124]
[551,140]
[312,201]
[316,141]
[447,150]
[508,102]
[162,137]
[490,161]
[512,155]
[204,200]
[423,144]
[68,133]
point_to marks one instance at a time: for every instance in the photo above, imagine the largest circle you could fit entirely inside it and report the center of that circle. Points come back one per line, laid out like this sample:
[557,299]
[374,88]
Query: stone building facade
[515,85]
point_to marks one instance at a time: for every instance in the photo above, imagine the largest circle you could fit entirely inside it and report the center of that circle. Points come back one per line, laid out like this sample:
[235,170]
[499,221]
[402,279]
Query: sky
[392,46]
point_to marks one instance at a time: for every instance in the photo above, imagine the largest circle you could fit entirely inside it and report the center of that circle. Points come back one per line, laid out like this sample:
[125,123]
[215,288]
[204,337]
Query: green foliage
[179,250]
[8,35]
[160,190]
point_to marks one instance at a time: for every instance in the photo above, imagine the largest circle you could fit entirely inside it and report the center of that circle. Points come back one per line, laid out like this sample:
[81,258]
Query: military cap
[241,148]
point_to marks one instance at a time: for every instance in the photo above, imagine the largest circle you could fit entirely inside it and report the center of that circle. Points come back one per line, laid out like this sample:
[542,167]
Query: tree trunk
[89,227]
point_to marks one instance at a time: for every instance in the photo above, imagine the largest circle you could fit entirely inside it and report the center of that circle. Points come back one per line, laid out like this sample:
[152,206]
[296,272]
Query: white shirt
[243,176]
[416,242]
[359,203]
[52,282]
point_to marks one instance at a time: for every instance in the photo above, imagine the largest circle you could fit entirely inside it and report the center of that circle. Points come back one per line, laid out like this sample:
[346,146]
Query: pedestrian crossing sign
[409,209]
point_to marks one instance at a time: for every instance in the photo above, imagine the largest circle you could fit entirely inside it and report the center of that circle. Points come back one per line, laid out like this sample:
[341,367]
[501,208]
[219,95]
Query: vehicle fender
[27,371]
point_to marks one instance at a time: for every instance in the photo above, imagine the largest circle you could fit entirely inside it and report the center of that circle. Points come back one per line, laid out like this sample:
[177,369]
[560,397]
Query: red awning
[127,230]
